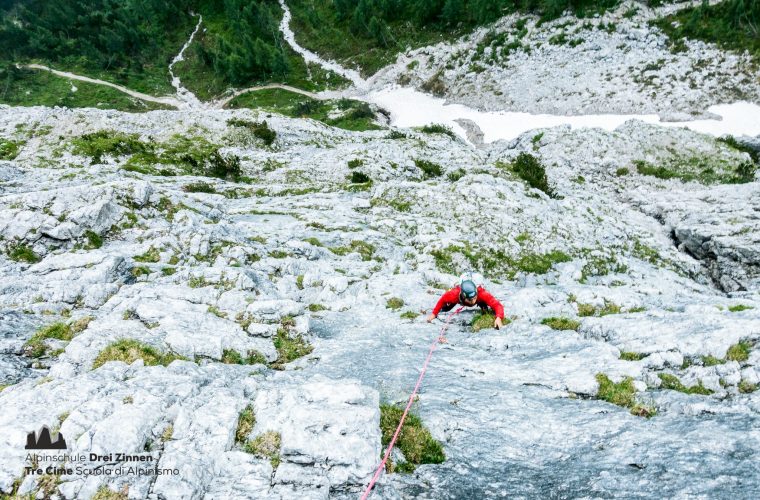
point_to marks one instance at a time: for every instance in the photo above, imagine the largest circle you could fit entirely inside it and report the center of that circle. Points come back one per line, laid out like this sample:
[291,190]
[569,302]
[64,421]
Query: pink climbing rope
[442,339]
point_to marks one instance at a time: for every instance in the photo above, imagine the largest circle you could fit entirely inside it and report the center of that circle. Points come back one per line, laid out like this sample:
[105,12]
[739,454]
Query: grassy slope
[291,104]
[318,29]
[713,24]
[41,88]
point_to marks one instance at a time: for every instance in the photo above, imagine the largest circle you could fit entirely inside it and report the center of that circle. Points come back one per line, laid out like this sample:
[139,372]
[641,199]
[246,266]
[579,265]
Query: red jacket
[484,299]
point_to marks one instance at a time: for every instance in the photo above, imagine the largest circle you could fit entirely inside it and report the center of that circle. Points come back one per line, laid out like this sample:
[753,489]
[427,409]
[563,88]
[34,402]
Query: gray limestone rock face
[303,296]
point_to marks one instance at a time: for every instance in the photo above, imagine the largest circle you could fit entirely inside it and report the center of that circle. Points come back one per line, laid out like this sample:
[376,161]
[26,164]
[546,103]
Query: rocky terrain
[611,63]
[197,274]
[236,294]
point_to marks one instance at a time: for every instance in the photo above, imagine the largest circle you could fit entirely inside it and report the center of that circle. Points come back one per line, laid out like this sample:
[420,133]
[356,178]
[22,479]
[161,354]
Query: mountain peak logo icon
[43,441]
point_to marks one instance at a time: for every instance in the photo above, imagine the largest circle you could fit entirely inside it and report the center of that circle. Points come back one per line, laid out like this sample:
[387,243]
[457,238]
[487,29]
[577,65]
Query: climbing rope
[441,339]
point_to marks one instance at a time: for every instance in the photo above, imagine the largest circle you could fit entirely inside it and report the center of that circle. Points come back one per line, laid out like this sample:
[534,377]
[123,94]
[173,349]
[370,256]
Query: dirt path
[171,101]
[221,103]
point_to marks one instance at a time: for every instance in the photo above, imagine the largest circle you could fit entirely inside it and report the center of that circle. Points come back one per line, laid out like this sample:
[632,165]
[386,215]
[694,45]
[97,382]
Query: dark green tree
[453,12]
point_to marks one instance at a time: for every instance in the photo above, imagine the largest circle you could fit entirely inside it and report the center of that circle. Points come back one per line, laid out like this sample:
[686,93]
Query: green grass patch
[364,249]
[522,237]
[314,241]
[647,253]
[532,171]
[266,445]
[9,149]
[414,440]
[129,351]
[233,357]
[456,175]
[558,39]
[732,143]
[275,100]
[394,303]
[347,114]
[632,356]
[699,169]
[31,87]
[278,254]
[561,323]
[540,263]
[660,172]
[103,143]
[710,360]
[20,252]
[494,263]
[138,271]
[672,382]
[429,168]
[167,434]
[259,130]
[289,347]
[436,128]
[395,203]
[185,156]
[482,320]
[94,240]
[197,282]
[105,493]
[622,394]
[359,177]
[316,307]
[246,421]
[199,187]
[591,310]
[217,312]
[180,155]
[150,255]
[597,265]
[739,352]
[409,315]
[746,387]
[355,163]
[35,346]
[739,308]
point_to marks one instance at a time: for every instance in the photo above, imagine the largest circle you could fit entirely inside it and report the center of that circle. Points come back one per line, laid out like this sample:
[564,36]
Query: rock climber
[469,294]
